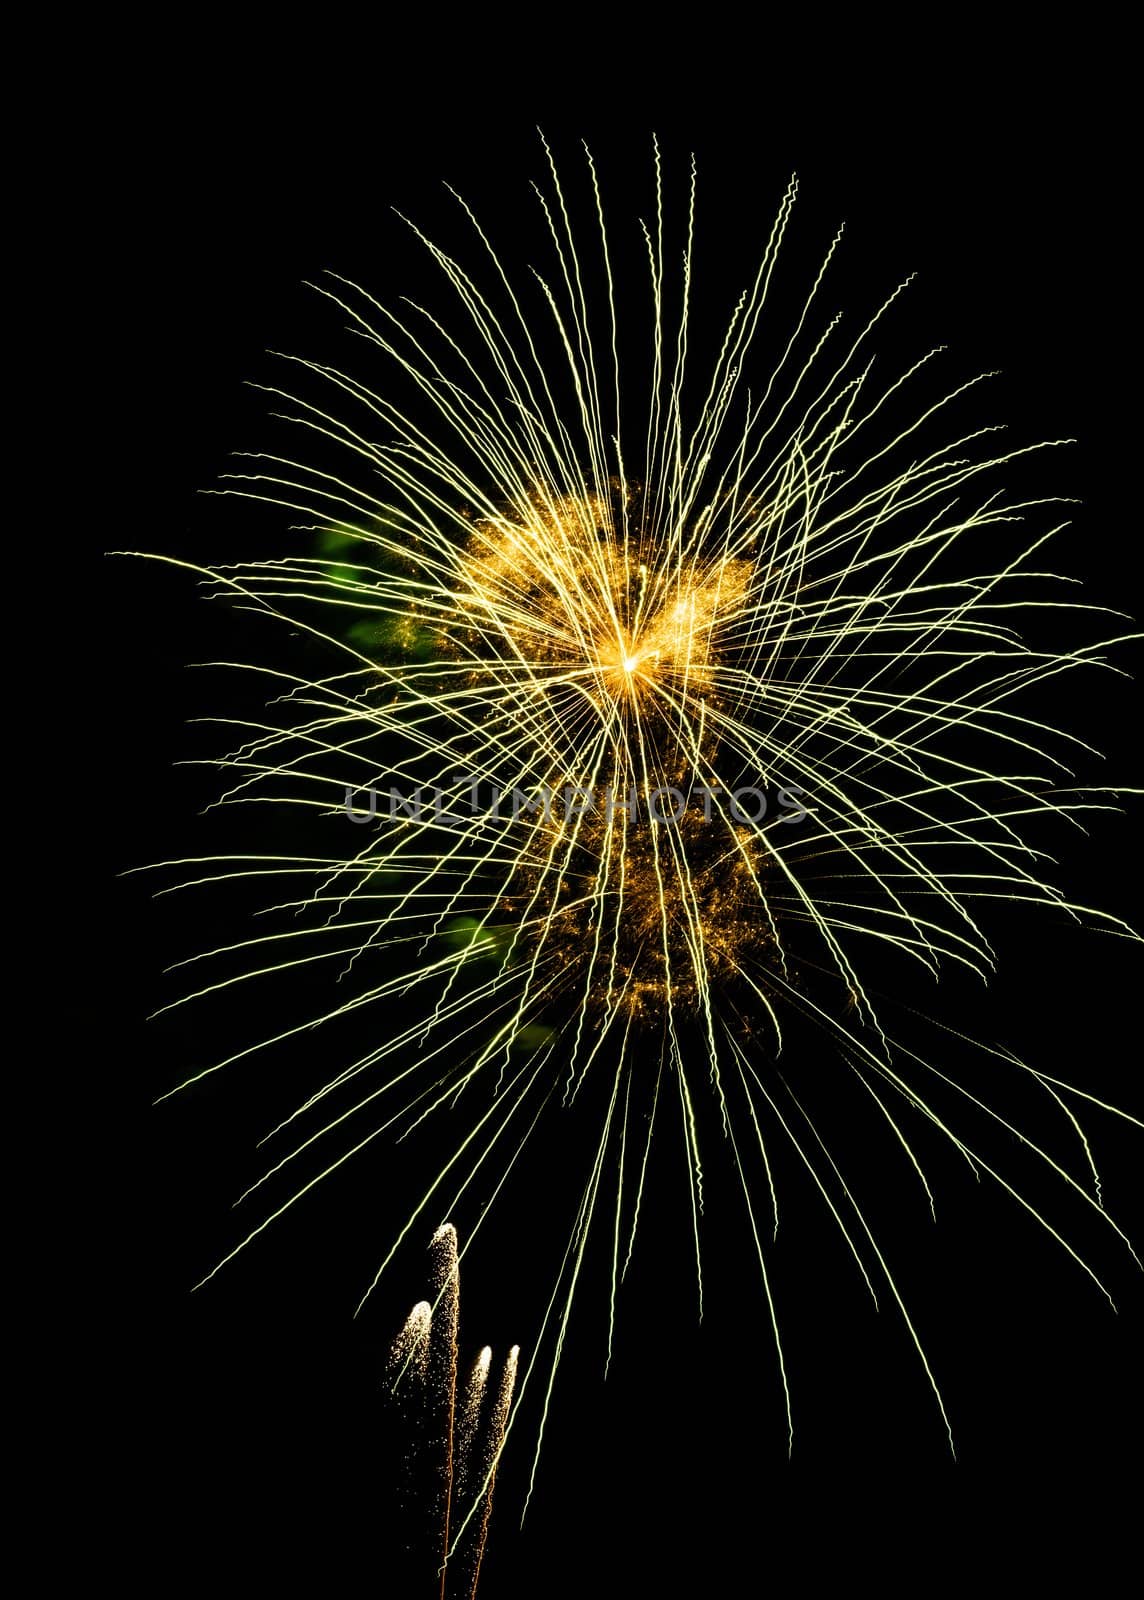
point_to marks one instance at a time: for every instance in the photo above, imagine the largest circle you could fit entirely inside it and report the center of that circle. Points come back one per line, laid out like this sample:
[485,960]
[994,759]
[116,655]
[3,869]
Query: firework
[452,1460]
[659,701]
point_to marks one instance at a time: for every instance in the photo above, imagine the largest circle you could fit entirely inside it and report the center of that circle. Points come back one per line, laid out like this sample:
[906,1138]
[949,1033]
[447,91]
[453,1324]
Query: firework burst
[661,701]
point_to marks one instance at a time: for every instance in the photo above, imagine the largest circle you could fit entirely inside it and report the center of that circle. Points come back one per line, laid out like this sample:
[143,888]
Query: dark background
[265,1448]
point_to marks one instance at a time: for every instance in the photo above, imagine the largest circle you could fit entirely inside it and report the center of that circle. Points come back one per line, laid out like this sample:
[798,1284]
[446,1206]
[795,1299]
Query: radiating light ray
[556,563]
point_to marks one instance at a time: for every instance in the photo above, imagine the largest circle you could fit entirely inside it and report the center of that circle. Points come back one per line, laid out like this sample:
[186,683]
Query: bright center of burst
[624,663]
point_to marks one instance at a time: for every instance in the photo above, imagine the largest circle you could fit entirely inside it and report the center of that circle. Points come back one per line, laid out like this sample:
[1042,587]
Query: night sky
[268,1454]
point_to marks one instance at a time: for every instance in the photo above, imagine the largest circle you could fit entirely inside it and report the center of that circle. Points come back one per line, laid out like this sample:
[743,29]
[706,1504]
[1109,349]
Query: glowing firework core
[558,587]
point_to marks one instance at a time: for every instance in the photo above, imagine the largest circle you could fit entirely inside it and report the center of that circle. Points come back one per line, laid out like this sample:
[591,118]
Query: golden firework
[591,646]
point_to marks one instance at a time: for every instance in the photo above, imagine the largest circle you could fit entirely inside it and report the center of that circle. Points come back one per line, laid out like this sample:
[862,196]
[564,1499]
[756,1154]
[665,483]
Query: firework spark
[474,1399]
[411,1347]
[494,1445]
[668,614]
[454,1455]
